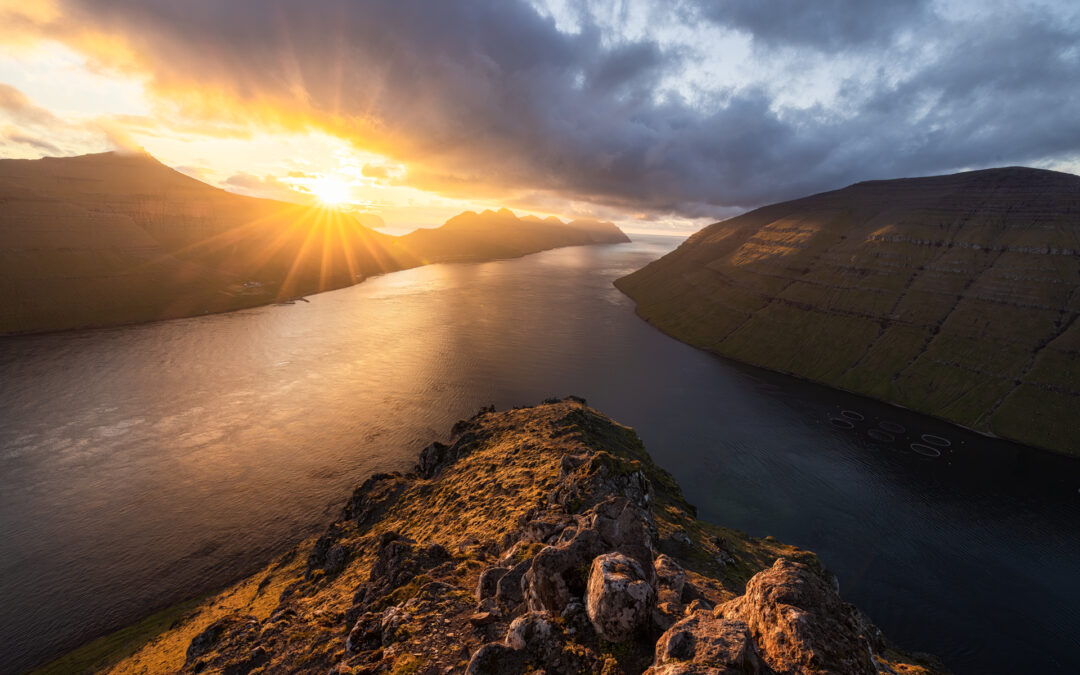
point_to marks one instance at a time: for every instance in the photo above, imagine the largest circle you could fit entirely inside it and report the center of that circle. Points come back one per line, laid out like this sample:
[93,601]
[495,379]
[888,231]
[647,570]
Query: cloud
[826,25]
[377,171]
[268,187]
[496,98]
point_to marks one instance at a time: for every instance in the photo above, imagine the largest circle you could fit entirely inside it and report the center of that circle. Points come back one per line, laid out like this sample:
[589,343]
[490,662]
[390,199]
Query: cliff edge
[956,296]
[540,539]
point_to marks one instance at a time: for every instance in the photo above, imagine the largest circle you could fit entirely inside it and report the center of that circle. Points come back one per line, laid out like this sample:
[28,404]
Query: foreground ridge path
[540,539]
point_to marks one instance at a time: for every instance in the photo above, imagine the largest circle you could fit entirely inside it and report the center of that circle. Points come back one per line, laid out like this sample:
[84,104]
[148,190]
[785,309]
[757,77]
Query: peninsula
[538,539]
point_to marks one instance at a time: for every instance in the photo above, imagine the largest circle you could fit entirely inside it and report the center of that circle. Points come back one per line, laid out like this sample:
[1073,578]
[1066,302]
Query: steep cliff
[952,295]
[539,540]
[109,239]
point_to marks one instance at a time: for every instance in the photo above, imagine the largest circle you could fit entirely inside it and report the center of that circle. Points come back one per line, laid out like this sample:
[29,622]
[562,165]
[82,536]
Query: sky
[662,115]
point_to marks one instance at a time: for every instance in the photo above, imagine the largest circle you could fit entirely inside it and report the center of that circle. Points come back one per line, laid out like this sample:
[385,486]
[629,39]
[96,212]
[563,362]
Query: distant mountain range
[110,239]
[953,295]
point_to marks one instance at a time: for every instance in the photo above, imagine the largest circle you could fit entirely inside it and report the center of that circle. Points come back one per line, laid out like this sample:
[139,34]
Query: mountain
[952,295]
[500,234]
[540,539]
[112,238]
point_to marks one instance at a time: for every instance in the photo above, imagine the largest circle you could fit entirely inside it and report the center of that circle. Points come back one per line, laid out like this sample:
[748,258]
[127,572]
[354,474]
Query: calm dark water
[143,465]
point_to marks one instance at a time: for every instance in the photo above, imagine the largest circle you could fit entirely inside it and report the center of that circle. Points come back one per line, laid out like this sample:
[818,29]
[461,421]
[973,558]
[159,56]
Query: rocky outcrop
[532,542]
[957,296]
[620,598]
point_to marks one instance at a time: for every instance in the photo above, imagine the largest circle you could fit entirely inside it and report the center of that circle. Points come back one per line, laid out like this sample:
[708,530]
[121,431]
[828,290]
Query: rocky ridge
[956,296]
[540,539]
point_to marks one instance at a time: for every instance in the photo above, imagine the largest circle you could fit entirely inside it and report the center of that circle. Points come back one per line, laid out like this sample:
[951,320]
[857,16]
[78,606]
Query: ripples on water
[143,465]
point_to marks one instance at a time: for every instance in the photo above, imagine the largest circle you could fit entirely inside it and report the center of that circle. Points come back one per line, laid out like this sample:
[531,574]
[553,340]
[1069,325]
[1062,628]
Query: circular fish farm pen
[936,440]
[852,415]
[925,450]
[892,427]
[841,423]
[881,436]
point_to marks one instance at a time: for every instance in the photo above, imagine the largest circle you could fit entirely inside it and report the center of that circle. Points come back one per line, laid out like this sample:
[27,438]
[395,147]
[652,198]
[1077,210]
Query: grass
[110,649]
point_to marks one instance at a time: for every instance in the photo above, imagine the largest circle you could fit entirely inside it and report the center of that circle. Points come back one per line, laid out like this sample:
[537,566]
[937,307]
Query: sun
[330,191]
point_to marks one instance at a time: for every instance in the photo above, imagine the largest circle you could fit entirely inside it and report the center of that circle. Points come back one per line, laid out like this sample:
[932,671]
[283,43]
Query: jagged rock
[317,559]
[508,592]
[569,463]
[624,527]
[671,577]
[532,632]
[558,573]
[489,582]
[799,623]
[620,599]
[701,641]
[231,628]
[496,659]
[390,623]
[666,613]
[543,528]
[699,605]
[365,634]
[532,640]
[371,500]
[432,458]
[397,562]
[336,559]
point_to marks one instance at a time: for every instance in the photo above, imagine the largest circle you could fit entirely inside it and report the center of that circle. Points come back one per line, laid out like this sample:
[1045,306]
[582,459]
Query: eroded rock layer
[952,295]
[540,540]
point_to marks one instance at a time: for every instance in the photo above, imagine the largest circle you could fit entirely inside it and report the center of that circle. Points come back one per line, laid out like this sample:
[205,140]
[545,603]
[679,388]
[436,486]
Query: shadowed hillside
[952,295]
[110,239]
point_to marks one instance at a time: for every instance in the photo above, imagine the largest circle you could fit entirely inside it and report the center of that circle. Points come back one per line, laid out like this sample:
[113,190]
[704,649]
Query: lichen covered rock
[620,599]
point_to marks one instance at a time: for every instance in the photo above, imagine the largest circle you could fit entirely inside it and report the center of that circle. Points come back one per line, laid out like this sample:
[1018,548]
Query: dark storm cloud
[828,25]
[489,96]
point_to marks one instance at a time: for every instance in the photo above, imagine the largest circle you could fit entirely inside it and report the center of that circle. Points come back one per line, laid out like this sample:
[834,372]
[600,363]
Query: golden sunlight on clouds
[268,125]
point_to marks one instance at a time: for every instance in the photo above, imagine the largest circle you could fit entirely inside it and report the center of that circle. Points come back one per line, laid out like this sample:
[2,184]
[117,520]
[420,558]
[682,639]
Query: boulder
[702,641]
[496,659]
[799,623]
[671,578]
[508,589]
[489,582]
[620,599]
[558,573]
[532,632]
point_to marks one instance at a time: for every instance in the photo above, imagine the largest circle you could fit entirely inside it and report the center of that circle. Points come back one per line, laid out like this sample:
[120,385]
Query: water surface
[147,464]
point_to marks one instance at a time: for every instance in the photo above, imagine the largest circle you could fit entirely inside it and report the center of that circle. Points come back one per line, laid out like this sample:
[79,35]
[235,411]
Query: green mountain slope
[952,295]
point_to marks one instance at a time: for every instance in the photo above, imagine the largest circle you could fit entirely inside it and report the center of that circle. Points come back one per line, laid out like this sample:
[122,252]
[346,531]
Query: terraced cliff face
[108,239]
[953,295]
[539,540]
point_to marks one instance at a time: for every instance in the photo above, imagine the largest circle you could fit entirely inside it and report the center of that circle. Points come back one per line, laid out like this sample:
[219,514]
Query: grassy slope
[955,296]
[109,239]
[477,499]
